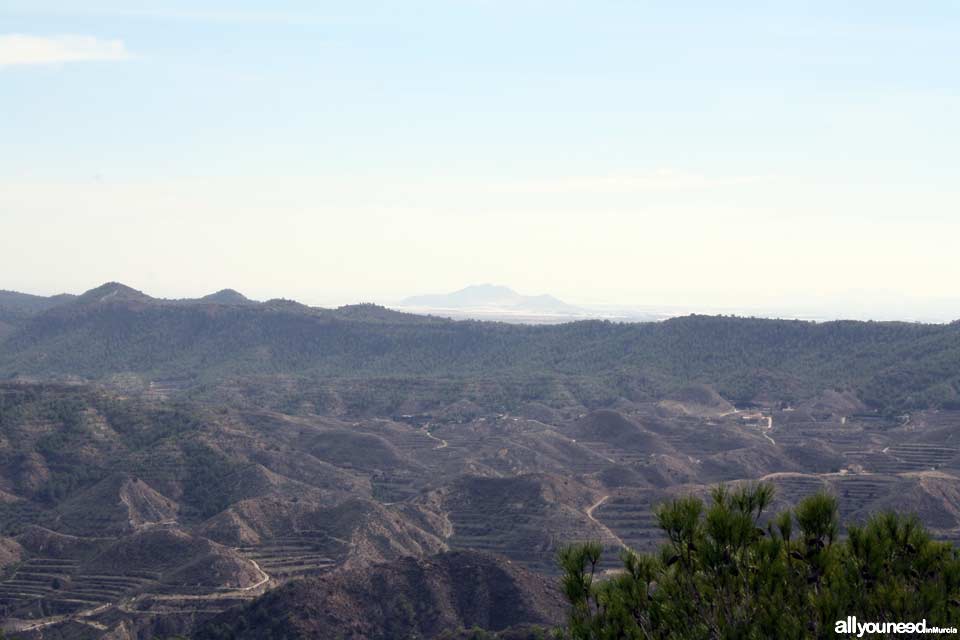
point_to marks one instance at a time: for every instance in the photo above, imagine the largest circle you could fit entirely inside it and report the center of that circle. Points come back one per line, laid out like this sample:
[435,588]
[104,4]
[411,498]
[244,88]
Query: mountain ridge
[115,329]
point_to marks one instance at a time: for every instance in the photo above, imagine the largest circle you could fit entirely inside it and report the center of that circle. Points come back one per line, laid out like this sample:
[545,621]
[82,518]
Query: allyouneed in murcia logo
[851,626]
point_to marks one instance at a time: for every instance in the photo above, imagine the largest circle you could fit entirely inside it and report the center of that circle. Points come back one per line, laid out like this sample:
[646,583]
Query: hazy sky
[604,151]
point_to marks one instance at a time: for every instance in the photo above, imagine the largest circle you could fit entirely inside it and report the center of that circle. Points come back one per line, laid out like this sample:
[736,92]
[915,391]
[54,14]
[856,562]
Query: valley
[148,494]
[169,529]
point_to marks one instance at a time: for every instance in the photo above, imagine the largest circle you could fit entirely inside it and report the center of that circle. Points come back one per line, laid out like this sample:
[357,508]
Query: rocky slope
[405,598]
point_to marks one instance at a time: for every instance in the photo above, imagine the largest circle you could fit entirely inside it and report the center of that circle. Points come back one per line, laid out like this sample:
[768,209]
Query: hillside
[167,462]
[407,598]
[117,330]
[227,296]
[16,308]
[27,304]
[140,514]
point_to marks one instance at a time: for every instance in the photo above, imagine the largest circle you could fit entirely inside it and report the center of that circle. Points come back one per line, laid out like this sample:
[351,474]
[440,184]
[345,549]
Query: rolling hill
[421,598]
[131,513]
[115,329]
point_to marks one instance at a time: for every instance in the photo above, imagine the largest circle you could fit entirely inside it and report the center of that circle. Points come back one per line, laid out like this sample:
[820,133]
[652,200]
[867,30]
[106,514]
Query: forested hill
[890,365]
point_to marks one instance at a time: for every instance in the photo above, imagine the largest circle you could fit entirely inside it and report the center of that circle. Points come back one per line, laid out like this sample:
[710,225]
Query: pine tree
[729,572]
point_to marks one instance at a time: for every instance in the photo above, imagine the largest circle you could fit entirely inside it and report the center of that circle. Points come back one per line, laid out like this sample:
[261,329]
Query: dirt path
[125,605]
[443,443]
[595,505]
[52,620]
[263,581]
[602,526]
[769,428]
[586,445]
[211,596]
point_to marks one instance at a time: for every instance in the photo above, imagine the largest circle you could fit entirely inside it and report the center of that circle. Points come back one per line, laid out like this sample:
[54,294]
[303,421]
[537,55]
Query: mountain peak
[227,296]
[471,296]
[113,292]
[492,296]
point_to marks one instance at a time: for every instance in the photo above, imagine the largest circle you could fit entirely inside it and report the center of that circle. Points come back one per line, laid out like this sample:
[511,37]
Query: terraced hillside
[415,598]
[135,512]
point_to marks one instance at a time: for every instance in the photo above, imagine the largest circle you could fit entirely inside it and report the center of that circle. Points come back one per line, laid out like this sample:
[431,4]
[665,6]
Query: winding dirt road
[602,526]
[126,605]
[443,443]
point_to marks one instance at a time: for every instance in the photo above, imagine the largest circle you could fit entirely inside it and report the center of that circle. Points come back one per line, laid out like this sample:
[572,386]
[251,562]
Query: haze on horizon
[604,152]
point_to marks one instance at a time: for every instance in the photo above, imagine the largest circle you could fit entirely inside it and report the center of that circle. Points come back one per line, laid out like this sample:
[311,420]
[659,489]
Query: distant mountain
[16,308]
[113,292]
[27,304]
[489,296]
[227,296]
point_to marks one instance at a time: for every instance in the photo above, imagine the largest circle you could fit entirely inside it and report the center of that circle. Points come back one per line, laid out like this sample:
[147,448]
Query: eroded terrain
[127,514]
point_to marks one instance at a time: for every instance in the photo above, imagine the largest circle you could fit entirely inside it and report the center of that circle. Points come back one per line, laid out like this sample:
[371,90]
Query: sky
[611,151]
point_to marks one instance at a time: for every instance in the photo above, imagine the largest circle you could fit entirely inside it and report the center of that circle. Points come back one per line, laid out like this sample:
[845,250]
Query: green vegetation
[65,439]
[208,474]
[893,366]
[728,571]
